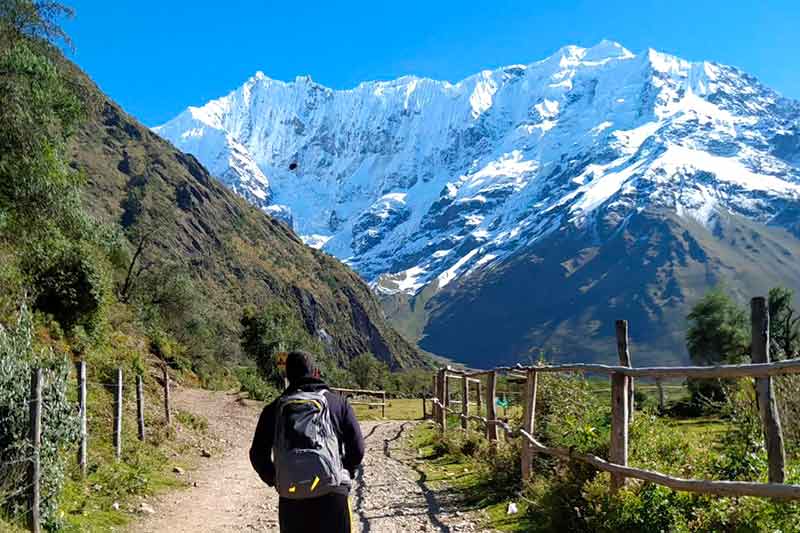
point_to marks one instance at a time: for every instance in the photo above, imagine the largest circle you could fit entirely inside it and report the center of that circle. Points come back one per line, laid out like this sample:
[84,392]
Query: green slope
[237,254]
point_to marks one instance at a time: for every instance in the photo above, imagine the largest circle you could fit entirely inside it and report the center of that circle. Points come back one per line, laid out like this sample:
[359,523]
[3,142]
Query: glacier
[416,181]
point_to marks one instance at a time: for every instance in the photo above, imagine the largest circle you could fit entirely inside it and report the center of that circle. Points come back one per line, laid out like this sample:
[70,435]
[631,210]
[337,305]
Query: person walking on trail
[308,445]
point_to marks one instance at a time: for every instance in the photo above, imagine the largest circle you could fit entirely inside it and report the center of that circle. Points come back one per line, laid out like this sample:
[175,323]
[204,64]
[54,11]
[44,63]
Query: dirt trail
[389,496]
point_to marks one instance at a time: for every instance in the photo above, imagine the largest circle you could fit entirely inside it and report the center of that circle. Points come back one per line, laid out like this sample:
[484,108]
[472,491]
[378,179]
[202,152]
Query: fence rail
[363,392]
[621,378]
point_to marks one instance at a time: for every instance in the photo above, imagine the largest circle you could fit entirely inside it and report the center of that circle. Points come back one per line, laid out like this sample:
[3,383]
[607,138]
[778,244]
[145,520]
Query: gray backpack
[306,453]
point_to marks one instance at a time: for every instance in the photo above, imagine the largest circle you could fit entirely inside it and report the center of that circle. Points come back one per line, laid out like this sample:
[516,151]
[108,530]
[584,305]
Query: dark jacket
[351,442]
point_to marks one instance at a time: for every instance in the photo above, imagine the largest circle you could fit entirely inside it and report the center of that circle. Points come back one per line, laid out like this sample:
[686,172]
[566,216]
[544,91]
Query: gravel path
[226,495]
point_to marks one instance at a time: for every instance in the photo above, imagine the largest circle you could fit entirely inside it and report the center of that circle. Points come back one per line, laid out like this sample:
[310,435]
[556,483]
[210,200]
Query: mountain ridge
[417,183]
[237,255]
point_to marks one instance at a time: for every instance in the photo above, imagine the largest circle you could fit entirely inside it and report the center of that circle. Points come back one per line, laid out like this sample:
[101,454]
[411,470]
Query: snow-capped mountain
[417,182]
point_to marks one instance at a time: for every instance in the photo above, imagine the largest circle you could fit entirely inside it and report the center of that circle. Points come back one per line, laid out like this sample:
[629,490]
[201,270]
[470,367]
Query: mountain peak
[427,187]
[605,50]
[434,180]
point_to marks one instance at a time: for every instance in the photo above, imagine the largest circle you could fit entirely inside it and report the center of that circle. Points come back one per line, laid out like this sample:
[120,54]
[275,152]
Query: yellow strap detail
[292,489]
[315,403]
[316,482]
[350,512]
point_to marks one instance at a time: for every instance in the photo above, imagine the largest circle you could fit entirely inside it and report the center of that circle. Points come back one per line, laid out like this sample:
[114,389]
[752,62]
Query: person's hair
[300,364]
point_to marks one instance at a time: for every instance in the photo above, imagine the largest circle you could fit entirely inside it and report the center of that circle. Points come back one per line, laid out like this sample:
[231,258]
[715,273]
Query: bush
[18,358]
[368,372]
[193,421]
[743,456]
[270,330]
[72,288]
[572,496]
[251,382]
[409,383]
[787,389]
[571,415]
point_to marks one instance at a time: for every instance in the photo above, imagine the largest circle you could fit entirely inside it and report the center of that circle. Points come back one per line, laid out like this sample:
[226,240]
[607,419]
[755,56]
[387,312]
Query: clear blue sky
[157,57]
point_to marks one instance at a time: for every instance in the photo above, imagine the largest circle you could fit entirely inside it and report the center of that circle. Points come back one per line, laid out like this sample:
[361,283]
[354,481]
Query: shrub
[191,420]
[270,330]
[251,382]
[72,288]
[742,456]
[788,392]
[368,372]
[571,415]
[18,358]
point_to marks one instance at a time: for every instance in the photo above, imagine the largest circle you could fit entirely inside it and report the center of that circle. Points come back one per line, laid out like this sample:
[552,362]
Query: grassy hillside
[236,254]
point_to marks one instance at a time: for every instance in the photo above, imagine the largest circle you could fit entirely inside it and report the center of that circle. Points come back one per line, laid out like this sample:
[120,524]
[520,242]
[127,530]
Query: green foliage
[13,283]
[33,19]
[718,333]
[717,330]
[57,254]
[787,389]
[38,191]
[18,358]
[409,383]
[743,456]
[571,415]
[571,496]
[191,420]
[368,372]
[88,505]
[784,324]
[252,382]
[73,288]
[270,330]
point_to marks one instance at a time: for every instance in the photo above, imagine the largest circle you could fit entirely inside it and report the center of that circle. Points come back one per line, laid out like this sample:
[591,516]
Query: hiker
[308,445]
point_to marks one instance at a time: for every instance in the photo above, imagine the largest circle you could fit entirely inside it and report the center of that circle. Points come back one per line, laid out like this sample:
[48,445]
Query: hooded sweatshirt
[348,431]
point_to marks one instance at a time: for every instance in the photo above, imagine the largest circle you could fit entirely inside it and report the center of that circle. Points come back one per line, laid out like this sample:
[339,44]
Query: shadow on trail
[433,507]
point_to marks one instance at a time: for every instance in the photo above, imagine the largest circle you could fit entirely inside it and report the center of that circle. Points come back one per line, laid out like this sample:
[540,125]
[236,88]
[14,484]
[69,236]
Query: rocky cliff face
[419,183]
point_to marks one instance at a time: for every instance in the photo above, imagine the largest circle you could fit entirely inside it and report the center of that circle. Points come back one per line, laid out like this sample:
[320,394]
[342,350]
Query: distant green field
[395,410]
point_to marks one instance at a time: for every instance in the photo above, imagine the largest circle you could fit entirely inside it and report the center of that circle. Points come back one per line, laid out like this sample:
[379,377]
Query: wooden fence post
[118,417]
[83,450]
[445,395]
[491,406]
[140,406]
[34,472]
[442,393]
[529,422]
[464,402]
[618,453]
[662,399]
[435,395]
[767,403]
[447,389]
[383,407]
[479,398]
[624,352]
[167,409]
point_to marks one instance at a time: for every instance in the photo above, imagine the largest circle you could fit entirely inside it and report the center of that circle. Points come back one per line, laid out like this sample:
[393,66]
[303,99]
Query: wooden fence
[361,392]
[35,434]
[621,378]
